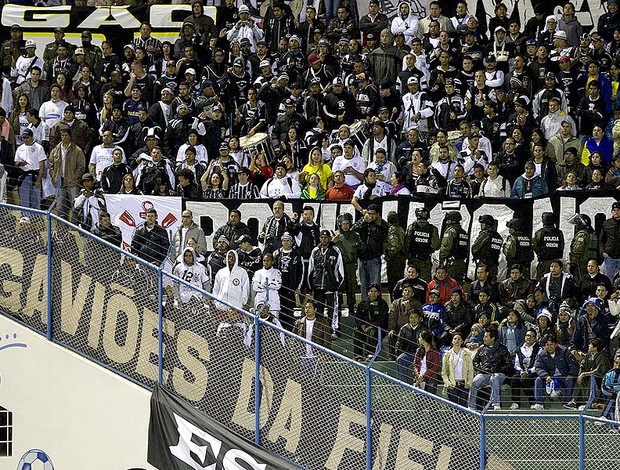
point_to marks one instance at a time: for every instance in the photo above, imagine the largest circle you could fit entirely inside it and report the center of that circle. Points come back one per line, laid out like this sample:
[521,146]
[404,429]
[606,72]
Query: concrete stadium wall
[80,414]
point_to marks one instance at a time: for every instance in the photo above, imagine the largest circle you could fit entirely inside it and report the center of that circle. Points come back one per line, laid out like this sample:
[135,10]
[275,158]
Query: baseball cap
[79,50]
[616,205]
[325,233]
[434,291]
[30,43]
[190,70]
[244,9]
[264,63]
[87,176]
[87,34]
[27,133]
[244,238]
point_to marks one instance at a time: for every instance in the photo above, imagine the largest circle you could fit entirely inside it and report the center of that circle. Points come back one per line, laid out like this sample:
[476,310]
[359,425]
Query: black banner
[180,438]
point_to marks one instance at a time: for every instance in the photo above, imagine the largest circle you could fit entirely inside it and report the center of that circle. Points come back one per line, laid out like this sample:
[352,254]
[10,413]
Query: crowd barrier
[303,402]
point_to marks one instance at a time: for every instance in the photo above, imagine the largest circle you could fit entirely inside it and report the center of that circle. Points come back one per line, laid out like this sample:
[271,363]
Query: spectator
[231,284]
[370,317]
[188,229]
[525,375]
[426,363]
[266,284]
[457,371]
[67,165]
[492,364]
[150,242]
[556,369]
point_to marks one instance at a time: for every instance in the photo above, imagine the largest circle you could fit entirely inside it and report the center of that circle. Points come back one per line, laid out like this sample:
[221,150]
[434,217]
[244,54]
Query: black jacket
[150,245]
[372,236]
[493,359]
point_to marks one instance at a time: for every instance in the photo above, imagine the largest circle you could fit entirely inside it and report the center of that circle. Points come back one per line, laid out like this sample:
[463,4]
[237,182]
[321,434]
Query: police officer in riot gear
[548,244]
[518,247]
[584,245]
[487,247]
[454,247]
[421,241]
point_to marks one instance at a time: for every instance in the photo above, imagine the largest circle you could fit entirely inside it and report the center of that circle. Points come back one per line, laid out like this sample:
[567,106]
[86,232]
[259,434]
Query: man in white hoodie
[405,22]
[266,284]
[232,284]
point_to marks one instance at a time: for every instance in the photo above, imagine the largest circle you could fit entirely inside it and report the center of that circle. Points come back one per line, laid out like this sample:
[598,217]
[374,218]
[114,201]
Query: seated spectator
[426,363]
[611,383]
[525,375]
[442,284]
[492,364]
[557,369]
[590,325]
[512,331]
[596,363]
[516,287]
[565,324]
[487,306]
[529,185]
[459,316]
[457,371]
[544,323]
[433,313]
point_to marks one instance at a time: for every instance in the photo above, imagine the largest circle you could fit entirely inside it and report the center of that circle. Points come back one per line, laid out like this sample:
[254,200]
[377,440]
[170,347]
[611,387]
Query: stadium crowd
[321,104]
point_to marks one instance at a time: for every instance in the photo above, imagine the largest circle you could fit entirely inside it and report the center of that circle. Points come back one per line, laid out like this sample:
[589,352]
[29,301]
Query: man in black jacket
[610,242]
[150,242]
[492,364]
[373,232]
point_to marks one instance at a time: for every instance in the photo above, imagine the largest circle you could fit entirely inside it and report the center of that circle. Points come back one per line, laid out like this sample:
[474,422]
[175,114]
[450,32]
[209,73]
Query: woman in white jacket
[405,22]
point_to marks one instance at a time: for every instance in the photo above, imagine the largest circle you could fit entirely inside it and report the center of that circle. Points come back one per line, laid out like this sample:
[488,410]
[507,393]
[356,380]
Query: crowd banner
[180,438]
[129,212]
[120,23]
[123,22]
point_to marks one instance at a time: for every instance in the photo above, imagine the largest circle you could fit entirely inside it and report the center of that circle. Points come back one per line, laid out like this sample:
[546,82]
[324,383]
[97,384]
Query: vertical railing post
[257,387]
[483,443]
[369,401]
[160,327]
[50,308]
[582,442]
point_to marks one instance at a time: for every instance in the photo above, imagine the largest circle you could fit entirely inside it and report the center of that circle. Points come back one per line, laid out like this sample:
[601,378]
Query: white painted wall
[80,414]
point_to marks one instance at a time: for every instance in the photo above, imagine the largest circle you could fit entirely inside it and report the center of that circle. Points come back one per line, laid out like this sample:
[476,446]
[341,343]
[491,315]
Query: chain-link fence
[24,266]
[310,404]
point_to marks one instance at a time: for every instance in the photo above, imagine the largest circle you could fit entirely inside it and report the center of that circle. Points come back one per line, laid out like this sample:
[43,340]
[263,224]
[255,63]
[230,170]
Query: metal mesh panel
[424,430]
[306,389]
[105,304]
[23,266]
[209,354]
[529,444]
[602,441]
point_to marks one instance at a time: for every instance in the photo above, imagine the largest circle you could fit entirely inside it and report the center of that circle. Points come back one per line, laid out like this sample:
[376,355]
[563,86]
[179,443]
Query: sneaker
[497,407]
[514,406]
[571,405]
[537,406]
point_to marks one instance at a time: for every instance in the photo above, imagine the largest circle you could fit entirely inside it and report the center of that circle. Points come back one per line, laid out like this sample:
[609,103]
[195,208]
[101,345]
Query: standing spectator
[288,261]
[189,229]
[231,283]
[556,368]
[373,22]
[457,371]
[313,328]
[112,176]
[610,242]
[274,228]
[67,163]
[325,276]
[233,230]
[372,231]
[89,204]
[266,284]
[53,110]
[150,242]
[370,317]
[394,249]
[492,363]
[30,159]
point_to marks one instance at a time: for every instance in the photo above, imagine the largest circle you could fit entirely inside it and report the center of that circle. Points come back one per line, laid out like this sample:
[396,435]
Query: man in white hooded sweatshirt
[232,284]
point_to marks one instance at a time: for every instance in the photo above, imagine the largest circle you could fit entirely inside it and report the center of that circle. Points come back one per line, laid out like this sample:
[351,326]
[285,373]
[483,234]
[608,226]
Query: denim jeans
[567,387]
[370,273]
[610,266]
[29,194]
[403,364]
[480,380]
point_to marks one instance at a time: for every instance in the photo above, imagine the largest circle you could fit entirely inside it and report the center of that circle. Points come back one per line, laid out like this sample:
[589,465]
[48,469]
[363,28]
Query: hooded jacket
[406,25]
[194,274]
[232,285]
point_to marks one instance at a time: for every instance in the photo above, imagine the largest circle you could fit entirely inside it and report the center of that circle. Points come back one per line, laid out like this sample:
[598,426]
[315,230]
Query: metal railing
[293,397]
